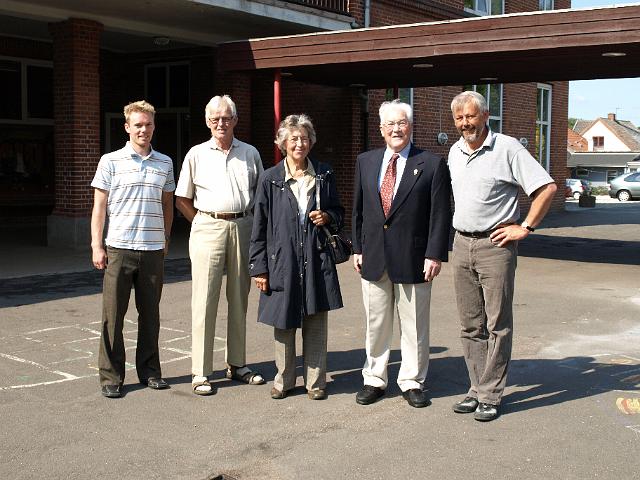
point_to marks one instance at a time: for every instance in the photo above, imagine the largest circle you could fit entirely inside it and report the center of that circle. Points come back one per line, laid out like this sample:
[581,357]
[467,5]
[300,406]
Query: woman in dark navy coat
[290,260]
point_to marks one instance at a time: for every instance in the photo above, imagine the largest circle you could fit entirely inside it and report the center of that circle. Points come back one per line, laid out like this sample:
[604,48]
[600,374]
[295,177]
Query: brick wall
[77,107]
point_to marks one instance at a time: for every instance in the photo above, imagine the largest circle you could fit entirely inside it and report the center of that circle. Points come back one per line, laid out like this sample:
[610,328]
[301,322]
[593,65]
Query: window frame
[25,119]
[483,13]
[544,124]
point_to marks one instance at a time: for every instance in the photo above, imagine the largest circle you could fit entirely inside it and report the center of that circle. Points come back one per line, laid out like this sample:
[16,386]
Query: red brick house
[66,71]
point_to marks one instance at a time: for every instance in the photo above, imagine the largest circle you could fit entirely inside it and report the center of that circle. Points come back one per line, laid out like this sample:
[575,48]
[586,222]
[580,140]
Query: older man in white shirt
[215,193]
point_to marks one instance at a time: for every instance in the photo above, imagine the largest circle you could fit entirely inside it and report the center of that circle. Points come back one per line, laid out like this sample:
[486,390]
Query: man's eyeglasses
[222,120]
[399,123]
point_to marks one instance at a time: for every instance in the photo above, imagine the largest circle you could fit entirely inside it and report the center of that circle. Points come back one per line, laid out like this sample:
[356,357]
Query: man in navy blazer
[401,221]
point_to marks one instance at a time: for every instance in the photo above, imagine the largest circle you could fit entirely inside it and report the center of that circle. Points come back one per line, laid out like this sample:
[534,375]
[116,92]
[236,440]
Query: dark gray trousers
[484,276]
[144,271]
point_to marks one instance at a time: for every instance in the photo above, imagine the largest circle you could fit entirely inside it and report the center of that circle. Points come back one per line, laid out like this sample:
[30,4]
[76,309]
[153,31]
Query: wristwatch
[527,226]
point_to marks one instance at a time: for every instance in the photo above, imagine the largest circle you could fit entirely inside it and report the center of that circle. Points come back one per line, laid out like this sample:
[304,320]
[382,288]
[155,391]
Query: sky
[589,99]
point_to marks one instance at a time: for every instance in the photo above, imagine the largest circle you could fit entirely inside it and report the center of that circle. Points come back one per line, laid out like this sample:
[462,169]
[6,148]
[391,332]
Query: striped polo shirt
[135,185]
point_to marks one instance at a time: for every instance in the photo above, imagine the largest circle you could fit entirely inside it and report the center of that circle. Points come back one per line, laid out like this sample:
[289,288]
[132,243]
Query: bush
[599,190]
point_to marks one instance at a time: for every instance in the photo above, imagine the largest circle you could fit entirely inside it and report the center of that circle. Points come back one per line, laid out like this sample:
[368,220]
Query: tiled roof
[576,142]
[625,130]
[582,125]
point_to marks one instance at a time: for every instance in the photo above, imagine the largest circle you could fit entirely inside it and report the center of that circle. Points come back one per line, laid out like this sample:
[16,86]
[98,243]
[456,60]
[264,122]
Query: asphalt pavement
[571,409]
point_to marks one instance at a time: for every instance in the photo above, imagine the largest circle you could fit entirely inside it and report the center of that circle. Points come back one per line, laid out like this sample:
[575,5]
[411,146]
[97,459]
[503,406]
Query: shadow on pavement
[42,288]
[579,249]
[532,383]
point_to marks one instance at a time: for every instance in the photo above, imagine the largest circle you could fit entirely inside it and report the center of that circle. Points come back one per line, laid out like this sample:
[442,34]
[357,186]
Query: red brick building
[66,72]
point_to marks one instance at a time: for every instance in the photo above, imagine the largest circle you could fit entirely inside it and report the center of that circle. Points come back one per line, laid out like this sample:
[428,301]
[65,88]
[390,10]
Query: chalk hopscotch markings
[91,333]
[628,406]
[66,375]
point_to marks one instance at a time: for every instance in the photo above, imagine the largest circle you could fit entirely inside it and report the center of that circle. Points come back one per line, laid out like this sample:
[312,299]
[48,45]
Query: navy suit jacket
[418,223]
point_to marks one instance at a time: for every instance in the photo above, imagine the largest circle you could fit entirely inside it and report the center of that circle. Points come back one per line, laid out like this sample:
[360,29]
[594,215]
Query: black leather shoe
[111,391]
[368,395]
[468,405]
[416,398]
[156,383]
[486,412]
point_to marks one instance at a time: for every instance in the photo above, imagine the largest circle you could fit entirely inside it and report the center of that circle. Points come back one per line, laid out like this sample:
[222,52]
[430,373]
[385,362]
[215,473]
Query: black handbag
[339,246]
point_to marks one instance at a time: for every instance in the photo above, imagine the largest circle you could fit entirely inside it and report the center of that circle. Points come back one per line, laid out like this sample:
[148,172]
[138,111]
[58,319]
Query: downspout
[277,155]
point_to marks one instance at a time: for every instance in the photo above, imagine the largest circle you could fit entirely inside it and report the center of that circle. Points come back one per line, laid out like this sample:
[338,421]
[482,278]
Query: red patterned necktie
[388,182]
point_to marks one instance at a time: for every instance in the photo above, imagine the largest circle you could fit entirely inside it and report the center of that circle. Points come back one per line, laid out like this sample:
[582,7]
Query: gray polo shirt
[485,182]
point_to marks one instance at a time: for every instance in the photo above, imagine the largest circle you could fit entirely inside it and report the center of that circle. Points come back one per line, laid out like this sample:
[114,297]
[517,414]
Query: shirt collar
[488,142]
[214,146]
[308,171]
[133,153]
[404,153]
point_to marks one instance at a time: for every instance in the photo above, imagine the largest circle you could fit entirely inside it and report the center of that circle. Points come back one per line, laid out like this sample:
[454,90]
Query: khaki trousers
[314,352]
[483,276]
[411,301]
[215,246]
[144,271]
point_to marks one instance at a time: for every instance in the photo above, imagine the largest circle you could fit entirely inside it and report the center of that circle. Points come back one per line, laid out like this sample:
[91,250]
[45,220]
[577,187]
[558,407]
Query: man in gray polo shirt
[486,170]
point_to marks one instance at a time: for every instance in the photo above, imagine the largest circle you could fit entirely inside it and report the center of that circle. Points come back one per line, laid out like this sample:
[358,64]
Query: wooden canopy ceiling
[536,46]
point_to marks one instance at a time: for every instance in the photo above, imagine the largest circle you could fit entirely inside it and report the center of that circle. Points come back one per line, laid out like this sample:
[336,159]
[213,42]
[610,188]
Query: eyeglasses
[222,120]
[399,123]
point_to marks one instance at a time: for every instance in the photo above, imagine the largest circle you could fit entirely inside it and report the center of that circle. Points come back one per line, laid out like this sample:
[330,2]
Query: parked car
[625,187]
[576,187]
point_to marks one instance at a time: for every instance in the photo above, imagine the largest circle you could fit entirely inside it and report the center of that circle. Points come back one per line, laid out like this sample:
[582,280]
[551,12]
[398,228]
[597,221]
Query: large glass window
[168,85]
[543,125]
[485,7]
[493,94]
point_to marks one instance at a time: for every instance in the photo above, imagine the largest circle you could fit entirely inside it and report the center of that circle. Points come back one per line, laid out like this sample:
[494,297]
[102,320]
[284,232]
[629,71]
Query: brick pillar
[238,87]
[76,81]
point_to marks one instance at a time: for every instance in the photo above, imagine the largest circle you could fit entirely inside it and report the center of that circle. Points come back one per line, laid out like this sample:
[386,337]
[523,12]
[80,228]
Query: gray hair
[294,122]
[220,102]
[469,96]
[395,105]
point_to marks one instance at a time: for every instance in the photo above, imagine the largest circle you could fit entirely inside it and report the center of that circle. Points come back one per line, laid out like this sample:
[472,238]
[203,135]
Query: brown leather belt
[475,234]
[224,216]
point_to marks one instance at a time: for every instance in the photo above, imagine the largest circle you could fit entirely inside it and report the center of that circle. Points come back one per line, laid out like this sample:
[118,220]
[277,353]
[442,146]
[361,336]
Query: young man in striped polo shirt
[134,188]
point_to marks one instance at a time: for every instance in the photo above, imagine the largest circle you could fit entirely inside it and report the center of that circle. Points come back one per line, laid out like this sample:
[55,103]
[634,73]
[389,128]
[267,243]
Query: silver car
[625,187]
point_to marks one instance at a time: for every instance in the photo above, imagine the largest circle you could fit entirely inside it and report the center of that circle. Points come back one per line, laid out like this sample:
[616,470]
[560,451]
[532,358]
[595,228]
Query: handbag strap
[326,231]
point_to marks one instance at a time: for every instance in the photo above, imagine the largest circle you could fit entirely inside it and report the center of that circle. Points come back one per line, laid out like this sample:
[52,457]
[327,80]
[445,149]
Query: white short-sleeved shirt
[134,204]
[219,182]
[485,182]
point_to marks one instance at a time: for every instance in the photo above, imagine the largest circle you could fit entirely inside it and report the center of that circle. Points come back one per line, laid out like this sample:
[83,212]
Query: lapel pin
[415,172]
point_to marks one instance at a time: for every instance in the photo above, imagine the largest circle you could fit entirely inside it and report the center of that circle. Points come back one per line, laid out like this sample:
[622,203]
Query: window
[545,4]
[485,7]
[404,94]
[493,94]
[611,174]
[543,125]
[598,144]
[582,172]
[27,91]
[167,85]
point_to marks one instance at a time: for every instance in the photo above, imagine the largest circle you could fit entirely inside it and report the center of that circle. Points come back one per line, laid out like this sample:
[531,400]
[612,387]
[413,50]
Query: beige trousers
[314,352]
[411,301]
[216,246]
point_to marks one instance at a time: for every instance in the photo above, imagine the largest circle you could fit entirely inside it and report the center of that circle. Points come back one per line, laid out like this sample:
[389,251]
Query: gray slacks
[484,276]
[144,271]
[314,352]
